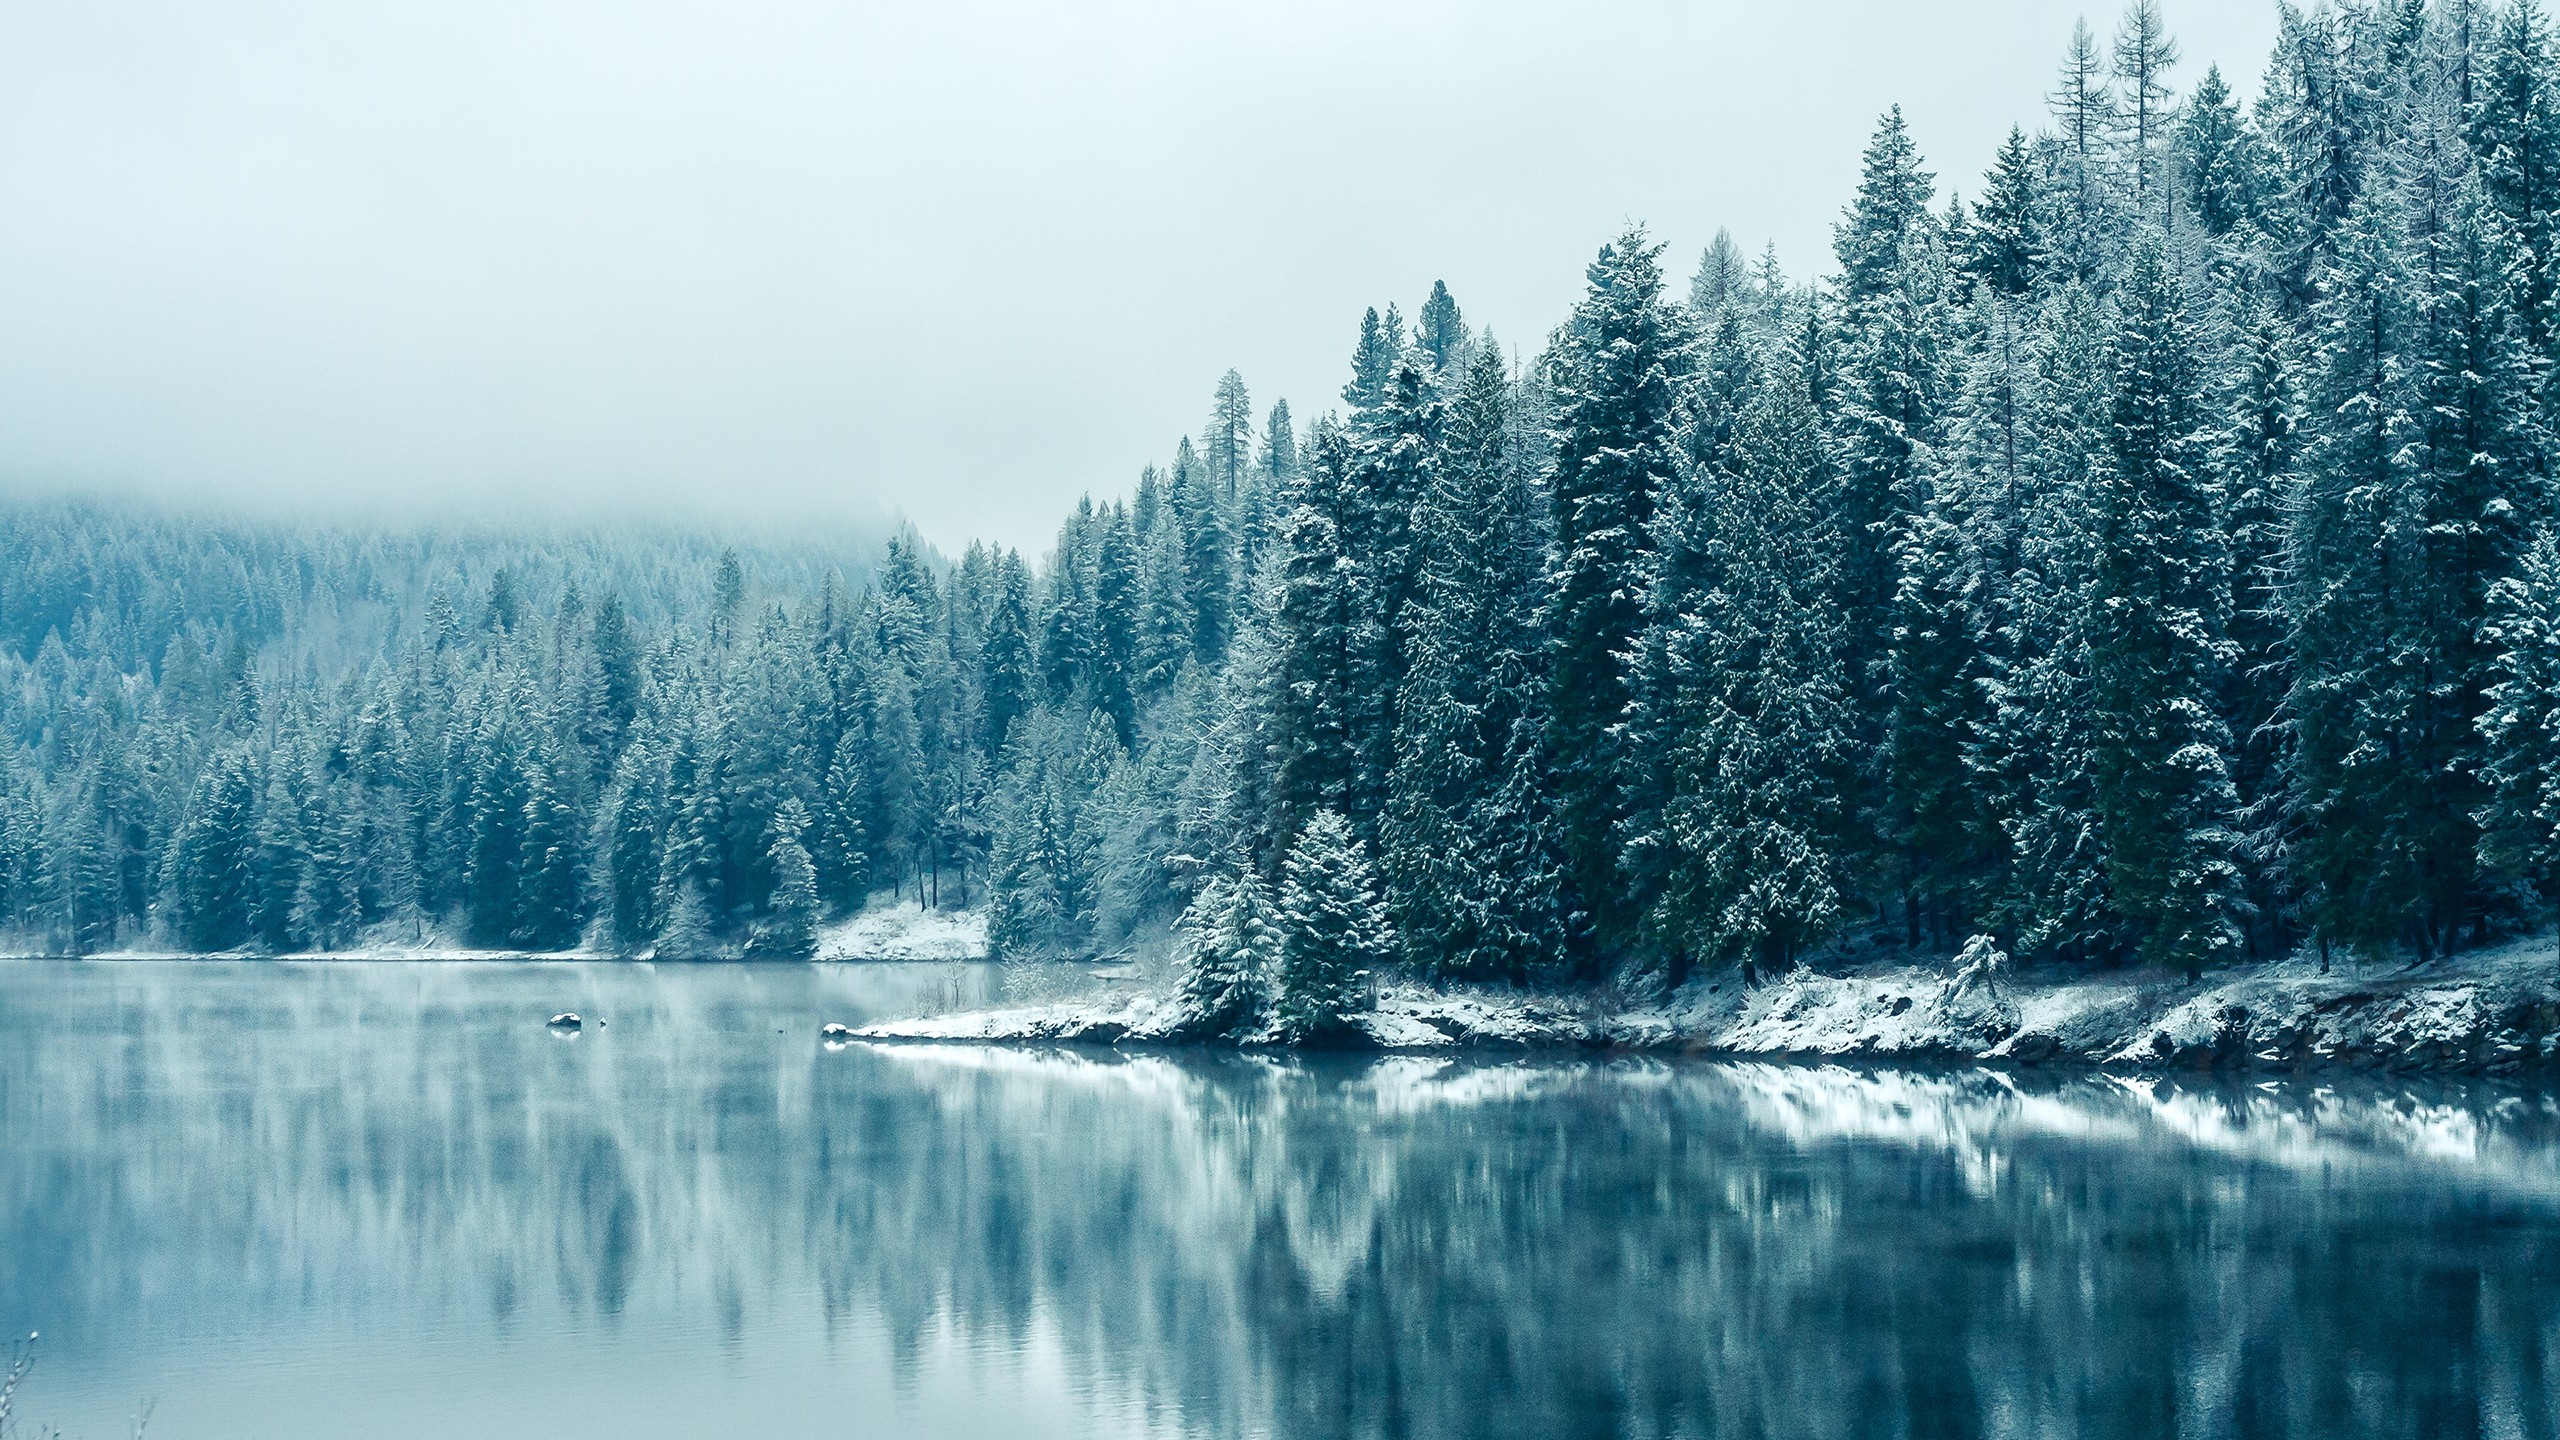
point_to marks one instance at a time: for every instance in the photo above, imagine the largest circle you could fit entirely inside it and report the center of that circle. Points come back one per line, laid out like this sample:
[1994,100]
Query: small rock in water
[835,1034]
[567,1020]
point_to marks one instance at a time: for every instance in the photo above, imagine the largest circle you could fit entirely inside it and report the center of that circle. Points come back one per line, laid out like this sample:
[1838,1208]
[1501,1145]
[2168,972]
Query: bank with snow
[2491,1012]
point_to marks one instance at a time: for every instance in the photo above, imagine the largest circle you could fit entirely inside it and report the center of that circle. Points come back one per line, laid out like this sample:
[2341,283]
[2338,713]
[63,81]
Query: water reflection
[219,1184]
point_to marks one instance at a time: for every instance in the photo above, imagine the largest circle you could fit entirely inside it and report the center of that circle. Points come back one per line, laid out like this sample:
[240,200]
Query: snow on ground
[901,931]
[2492,1011]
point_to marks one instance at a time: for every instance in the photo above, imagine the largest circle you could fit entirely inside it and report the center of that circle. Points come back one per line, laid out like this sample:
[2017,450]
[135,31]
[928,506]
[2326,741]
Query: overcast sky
[959,260]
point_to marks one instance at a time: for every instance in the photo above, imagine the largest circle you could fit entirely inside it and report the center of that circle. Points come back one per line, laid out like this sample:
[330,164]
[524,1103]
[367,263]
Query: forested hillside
[2148,558]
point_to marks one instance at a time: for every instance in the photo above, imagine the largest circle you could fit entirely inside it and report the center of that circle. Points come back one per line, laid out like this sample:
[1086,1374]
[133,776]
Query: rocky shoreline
[2491,1012]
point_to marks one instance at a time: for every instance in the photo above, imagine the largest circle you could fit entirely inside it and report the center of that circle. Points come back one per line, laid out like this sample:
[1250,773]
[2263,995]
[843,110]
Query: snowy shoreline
[2495,1011]
[895,933]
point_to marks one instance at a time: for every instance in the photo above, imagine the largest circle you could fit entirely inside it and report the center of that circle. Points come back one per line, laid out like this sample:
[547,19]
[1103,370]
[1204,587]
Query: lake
[287,1200]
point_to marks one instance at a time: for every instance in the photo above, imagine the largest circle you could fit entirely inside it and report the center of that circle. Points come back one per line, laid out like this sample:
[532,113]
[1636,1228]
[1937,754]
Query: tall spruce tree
[2158,652]
[1468,842]
[1744,703]
[1613,377]
[1335,936]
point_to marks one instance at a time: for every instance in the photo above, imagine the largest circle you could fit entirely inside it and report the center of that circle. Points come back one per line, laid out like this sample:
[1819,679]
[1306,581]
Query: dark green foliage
[1614,382]
[1334,933]
[2150,563]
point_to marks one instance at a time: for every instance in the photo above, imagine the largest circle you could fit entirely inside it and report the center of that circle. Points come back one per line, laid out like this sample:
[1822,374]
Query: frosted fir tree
[1886,418]
[1226,442]
[634,814]
[1723,278]
[1467,841]
[1323,631]
[1335,935]
[1440,331]
[2418,478]
[1162,644]
[283,853]
[791,922]
[551,904]
[2515,131]
[2157,649]
[1615,374]
[2033,754]
[329,907]
[1743,714]
[1231,951]
[2520,826]
[686,932]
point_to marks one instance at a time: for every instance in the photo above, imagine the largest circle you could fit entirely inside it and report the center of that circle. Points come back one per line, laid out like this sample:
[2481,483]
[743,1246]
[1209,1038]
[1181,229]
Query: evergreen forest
[2142,555]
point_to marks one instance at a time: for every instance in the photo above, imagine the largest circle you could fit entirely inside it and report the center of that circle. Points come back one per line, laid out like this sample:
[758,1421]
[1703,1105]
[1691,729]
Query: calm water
[381,1200]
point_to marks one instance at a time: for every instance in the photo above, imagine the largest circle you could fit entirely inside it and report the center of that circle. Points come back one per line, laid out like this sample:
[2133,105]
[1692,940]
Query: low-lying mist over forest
[2149,558]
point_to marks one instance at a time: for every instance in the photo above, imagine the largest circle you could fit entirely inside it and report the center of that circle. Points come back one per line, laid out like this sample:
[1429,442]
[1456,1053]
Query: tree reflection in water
[223,1170]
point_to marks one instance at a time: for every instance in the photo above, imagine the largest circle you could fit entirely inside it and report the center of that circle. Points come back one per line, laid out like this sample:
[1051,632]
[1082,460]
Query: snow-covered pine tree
[1006,659]
[790,929]
[1163,642]
[551,896]
[2144,55]
[1335,934]
[1467,842]
[2514,130]
[2034,755]
[2158,653]
[2216,157]
[211,854]
[1226,442]
[1322,626]
[1614,376]
[1723,279]
[2420,476]
[2520,825]
[1231,950]
[1372,363]
[1440,331]
[2256,457]
[1744,706]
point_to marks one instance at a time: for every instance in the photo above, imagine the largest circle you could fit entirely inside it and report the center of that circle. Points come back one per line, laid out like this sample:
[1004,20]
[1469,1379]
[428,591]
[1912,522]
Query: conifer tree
[330,904]
[1230,954]
[1334,933]
[1744,703]
[494,861]
[1467,843]
[635,814]
[551,901]
[1440,331]
[2515,131]
[1005,658]
[2144,55]
[2218,158]
[1227,441]
[2008,247]
[211,857]
[792,911]
[1722,280]
[1887,413]
[1372,364]
[2520,824]
[277,870]
[1613,377]
[1322,626]
[2158,652]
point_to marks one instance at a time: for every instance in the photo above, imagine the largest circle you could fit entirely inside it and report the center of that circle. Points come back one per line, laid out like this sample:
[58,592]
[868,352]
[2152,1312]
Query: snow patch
[907,932]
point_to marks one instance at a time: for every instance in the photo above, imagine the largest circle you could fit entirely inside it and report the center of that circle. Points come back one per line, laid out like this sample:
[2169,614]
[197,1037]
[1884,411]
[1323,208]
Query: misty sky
[961,260]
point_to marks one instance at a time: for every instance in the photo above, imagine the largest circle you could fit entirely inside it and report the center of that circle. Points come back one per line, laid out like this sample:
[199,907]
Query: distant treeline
[2152,561]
